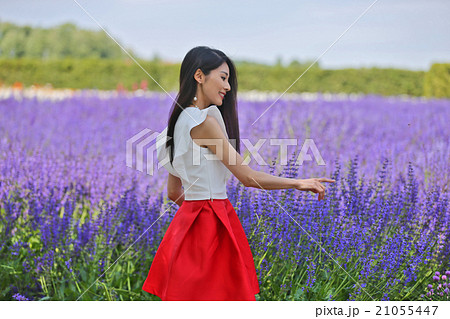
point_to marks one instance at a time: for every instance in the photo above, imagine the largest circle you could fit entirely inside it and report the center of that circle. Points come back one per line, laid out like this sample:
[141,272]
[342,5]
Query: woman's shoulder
[192,116]
[192,110]
[188,114]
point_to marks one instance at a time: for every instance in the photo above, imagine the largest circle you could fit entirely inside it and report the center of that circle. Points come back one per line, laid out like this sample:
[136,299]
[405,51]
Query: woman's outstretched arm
[221,147]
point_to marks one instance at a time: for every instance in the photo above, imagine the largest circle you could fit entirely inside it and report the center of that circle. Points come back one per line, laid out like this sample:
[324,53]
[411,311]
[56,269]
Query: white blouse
[202,173]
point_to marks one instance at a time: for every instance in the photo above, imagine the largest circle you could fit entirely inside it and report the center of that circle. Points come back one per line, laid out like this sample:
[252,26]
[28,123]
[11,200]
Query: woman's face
[216,85]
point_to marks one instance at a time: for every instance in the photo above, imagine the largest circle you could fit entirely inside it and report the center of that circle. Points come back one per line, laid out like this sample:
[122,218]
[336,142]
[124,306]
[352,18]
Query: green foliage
[69,277]
[65,40]
[106,74]
[437,81]
[68,57]
[93,73]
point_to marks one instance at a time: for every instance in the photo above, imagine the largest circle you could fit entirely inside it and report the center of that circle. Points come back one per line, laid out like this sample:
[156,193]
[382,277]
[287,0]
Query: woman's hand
[314,185]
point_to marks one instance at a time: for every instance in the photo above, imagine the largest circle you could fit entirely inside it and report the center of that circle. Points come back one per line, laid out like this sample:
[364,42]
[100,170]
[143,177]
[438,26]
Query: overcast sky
[409,34]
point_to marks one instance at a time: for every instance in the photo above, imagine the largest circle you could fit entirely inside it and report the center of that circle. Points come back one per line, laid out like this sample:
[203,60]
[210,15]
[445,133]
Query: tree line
[68,57]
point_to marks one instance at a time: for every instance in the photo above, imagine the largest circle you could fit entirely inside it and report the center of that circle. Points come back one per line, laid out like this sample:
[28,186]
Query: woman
[204,254]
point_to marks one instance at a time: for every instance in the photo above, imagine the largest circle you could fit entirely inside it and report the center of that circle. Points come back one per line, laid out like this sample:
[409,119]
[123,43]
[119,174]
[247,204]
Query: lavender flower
[67,262]
[19,297]
[77,168]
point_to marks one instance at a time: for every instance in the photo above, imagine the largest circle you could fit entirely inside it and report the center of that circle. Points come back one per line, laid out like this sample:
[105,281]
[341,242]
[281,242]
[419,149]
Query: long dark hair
[205,59]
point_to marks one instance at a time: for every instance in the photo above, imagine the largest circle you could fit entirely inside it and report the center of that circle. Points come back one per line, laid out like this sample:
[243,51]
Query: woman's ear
[198,76]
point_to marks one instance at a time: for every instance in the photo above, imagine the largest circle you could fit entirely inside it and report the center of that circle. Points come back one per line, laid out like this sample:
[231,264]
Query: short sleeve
[162,153]
[198,116]
[189,118]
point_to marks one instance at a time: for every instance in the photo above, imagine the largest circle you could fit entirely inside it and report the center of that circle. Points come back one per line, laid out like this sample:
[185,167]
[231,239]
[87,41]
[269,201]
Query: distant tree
[294,63]
[13,43]
[65,40]
[437,81]
[279,61]
[36,44]
[156,58]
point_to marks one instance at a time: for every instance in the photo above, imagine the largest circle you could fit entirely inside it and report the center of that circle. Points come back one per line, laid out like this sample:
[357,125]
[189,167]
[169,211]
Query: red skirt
[204,255]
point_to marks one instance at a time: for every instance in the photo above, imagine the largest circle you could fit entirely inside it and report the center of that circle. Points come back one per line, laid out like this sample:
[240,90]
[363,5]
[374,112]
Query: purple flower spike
[430,286]
[444,277]
[446,290]
[437,273]
[447,272]
[19,297]
[435,278]
[429,294]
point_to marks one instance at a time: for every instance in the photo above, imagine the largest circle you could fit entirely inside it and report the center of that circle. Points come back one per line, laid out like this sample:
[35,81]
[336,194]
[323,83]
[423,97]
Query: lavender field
[70,207]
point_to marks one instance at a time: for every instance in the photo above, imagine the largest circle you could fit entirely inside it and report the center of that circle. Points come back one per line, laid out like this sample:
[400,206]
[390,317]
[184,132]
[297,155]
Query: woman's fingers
[321,189]
[321,196]
[317,187]
[328,180]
